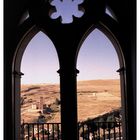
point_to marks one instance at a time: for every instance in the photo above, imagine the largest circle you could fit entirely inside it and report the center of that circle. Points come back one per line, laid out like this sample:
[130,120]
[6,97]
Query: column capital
[18,74]
[122,69]
[61,71]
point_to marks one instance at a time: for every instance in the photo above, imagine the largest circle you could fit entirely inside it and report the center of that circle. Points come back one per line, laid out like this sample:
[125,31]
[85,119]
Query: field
[95,97]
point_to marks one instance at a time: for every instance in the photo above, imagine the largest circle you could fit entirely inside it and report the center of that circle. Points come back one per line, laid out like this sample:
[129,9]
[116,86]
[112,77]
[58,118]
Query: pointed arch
[40,58]
[16,74]
[97,63]
[23,44]
[97,50]
[117,46]
[103,28]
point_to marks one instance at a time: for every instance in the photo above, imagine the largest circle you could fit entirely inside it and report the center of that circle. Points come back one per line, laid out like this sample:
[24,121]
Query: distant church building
[41,103]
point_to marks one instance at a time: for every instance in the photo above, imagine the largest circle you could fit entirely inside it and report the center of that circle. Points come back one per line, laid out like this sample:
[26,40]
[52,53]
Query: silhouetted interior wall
[66,39]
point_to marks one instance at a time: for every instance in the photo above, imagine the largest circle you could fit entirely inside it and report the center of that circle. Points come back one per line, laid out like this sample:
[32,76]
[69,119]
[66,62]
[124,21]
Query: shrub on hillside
[54,108]
[41,119]
[57,101]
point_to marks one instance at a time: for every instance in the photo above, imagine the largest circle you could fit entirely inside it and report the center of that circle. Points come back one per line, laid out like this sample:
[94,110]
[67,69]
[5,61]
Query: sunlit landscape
[95,98]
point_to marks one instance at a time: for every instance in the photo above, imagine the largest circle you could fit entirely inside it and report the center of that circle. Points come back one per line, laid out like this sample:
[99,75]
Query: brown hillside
[95,97]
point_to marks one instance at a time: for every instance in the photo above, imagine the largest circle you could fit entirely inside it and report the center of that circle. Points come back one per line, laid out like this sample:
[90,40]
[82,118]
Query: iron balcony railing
[100,131]
[87,131]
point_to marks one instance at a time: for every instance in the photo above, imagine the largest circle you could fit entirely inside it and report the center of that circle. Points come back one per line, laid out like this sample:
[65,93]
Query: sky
[40,61]
[97,58]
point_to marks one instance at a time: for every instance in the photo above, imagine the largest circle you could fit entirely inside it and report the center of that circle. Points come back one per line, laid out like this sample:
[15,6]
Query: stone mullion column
[16,101]
[68,102]
[123,102]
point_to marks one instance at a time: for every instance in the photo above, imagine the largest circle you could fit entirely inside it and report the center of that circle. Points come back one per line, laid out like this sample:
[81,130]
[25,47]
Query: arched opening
[37,93]
[100,90]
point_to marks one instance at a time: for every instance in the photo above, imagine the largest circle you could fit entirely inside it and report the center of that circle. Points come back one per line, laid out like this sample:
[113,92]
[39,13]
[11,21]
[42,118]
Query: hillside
[95,97]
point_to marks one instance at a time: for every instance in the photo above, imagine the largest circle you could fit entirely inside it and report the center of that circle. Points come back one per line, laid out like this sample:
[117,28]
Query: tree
[111,121]
[22,101]
[41,119]
[102,123]
[57,101]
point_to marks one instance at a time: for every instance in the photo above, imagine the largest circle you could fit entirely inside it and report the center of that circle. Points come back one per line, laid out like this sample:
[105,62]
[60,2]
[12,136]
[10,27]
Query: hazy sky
[97,57]
[40,62]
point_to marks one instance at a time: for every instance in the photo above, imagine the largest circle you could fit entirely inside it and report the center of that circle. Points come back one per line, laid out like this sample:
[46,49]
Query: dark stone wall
[125,32]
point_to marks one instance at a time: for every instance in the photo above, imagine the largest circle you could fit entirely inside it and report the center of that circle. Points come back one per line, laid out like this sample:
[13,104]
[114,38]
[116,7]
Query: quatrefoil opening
[66,10]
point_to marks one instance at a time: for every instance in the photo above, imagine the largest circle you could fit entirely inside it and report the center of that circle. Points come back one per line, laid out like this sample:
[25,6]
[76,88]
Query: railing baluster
[93,132]
[33,130]
[99,130]
[83,131]
[119,132]
[104,131]
[22,131]
[58,131]
[43,131]
[114,132]
[38,130]
[88,130]
[48,131]
[109,134]
[53,130]
[28,132]
[78,125]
